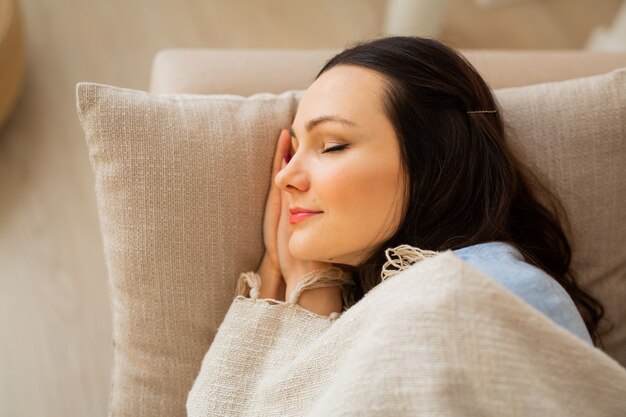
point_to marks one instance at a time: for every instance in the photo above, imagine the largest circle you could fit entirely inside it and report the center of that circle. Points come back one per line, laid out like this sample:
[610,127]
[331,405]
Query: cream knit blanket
[439,338]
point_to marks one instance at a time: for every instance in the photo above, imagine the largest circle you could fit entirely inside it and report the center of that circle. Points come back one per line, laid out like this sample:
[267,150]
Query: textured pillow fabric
[181,181]
[572,134]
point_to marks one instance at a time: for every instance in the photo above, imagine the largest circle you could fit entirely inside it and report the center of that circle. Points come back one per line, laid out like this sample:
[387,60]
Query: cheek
[360,198]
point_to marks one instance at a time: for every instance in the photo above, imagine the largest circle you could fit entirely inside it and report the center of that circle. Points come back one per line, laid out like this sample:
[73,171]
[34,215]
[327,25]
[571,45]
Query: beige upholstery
[245,72]
[12,57]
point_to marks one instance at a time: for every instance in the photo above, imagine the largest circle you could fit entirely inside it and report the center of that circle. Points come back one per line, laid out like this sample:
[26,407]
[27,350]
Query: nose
[293,177]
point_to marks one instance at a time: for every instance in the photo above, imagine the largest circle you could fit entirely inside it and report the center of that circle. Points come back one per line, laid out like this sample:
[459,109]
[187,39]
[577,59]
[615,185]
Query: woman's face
[357,189]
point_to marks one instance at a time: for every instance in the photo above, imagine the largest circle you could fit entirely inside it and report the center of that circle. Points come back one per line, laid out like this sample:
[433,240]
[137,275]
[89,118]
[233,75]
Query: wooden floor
[55,327]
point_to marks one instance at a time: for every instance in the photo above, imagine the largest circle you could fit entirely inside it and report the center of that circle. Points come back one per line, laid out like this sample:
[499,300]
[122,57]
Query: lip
[299,214]
[295,210]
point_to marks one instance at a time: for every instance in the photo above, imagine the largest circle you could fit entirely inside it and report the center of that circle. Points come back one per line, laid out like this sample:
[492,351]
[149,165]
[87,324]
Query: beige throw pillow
[181,182]
[572,134]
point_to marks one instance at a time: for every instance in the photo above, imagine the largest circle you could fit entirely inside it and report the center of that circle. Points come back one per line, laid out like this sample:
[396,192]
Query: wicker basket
[12,57]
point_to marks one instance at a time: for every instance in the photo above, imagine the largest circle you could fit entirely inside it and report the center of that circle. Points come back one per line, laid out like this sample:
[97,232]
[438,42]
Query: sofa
[163,322]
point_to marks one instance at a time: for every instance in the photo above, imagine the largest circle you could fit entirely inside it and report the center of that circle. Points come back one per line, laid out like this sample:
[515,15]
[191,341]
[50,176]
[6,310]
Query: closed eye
[334,148]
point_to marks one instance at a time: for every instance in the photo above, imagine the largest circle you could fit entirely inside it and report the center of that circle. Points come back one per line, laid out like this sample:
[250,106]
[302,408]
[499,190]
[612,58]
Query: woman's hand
[277,232]
[292,269]
[272,282]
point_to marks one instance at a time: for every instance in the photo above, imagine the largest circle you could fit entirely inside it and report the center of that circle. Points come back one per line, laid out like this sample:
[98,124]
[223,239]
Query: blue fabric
[505,264]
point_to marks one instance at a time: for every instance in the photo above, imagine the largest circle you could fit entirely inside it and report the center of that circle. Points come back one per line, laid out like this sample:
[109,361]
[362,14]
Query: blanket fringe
[329,277]
[399,259]
[402,257]
[249,284]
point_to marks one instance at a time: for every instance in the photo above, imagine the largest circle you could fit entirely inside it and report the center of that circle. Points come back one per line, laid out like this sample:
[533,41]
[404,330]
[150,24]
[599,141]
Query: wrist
[267,270]
[272,283]
[322,301]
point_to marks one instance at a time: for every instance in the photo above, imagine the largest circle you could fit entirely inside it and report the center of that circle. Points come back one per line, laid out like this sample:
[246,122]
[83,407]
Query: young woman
[398,142]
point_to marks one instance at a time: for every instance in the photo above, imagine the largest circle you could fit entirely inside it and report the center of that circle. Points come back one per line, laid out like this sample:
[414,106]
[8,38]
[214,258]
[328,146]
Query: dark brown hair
[464,184]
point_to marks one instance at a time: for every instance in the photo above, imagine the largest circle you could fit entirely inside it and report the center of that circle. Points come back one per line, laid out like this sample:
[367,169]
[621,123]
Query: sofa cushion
[572,135]
[181,182]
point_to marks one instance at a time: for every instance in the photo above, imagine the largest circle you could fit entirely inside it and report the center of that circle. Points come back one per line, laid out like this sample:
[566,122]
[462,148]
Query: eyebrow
[324,119]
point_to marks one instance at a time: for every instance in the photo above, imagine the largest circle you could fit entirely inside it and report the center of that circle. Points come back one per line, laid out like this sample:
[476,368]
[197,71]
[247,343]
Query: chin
[303,251]
[300,248]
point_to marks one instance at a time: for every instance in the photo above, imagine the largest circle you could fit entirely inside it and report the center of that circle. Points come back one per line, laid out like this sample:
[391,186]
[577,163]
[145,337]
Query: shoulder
[502,262]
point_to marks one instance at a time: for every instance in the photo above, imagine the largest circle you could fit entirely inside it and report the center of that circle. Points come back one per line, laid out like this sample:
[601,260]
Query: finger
[284,197]
[282,200]
[282,147]
[283,224]
[279,198]
[284,203]
[273,198]
[283,207]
